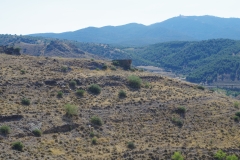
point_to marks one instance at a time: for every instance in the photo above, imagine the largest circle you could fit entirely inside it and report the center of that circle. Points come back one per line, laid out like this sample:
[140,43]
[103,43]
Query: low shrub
[94,140]
[37,132]
[17,146]
[134,81]
[92,134]
[122,94]
[72,83]
[131,145]
[104,67]
[25,101]
[177,122]
[236,104]
[115,63]
[60,94]
[200,87]
[94,88]
[96,120]
[220,155]
[71,110]
[5,129]
[113,68]
[64,68]
[232,157]
[23,71]
[80,92]
[237,114]
[181,109]
[236,118]
[177,156]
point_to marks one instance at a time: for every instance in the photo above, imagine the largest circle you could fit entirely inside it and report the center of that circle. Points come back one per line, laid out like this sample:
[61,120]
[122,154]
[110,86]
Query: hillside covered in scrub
[62,108]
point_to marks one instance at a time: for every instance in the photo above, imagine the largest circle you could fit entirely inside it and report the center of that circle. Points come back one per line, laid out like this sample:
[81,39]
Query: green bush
[134,81]
[94,88]
[97,69]
[96,120]
[60,94]
[236,118]
[115,63]
[122,94]
[220,155]
[177,122]
[72,83]
[23,71]
[181,109]
[71,110]
[94,140]
[92,134]
[5,129]
[236,104]
[237,114]
[232,157]
[177,156]
[80,92]
[37,132]
[64,68]
[104,67]
[113,68]
[25,101]
[17,146]
[131,145]
[200,87]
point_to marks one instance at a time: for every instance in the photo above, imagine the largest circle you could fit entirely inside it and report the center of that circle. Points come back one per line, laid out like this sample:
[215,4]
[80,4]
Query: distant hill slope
[181,28]
[204,61]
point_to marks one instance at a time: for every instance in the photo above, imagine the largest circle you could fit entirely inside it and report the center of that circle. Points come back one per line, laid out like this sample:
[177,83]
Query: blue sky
[39,16]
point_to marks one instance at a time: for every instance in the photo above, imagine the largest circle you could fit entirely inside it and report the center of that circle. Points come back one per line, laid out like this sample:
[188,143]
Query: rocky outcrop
[63,128]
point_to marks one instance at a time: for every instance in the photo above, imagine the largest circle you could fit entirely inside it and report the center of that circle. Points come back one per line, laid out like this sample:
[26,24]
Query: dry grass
[143,117]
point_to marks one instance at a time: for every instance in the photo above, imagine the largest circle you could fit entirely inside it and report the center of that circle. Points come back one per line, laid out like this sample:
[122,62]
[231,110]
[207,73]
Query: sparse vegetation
[72,83]
[237,114]
[5,129]
[23,71]
[200,87]
[95,88]
[236,118]
[122,94]
[220,155]
[80,92]
[113,68]
[115,63]
[71,110]
[96,120]
[25,101]
[131,145]
[134,81]
[177,122]
[37,132]
[17,146]
[177,156]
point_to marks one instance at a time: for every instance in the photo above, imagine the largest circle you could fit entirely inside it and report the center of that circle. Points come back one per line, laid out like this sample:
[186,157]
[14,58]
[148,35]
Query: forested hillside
[202,61]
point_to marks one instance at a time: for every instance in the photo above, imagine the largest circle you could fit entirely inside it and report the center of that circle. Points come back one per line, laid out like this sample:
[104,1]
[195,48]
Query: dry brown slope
[144,117]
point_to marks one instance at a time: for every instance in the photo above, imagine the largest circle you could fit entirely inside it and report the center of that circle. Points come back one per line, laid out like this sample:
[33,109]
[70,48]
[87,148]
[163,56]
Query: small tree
[134,81]
[60,94]
[177,156]
[71,110]
[220,155]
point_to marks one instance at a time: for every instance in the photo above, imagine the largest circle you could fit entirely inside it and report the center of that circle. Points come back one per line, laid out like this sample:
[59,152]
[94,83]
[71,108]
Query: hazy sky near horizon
[40,16]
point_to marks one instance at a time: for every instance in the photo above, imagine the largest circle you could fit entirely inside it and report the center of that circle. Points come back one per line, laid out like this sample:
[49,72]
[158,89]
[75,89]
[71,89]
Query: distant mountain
[181,28]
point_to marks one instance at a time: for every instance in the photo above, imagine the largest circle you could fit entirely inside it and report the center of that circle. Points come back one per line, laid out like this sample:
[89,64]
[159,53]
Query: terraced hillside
[53,95]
